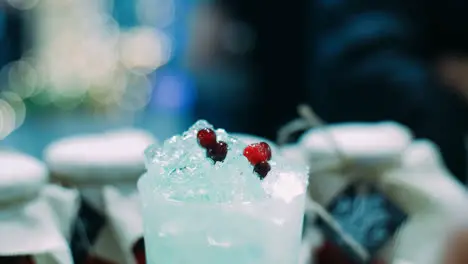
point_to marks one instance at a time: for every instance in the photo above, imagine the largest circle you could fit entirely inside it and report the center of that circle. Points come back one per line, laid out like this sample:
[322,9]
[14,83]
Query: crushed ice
[181,171]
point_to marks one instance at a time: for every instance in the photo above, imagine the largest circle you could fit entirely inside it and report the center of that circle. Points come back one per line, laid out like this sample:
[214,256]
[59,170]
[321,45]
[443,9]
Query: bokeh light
[7,119]
[82,58]
[138,93]
[22,78]
[17,105]
[144,49]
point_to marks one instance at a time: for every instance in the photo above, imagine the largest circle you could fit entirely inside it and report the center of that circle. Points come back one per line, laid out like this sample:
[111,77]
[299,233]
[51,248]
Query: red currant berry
[267,149]
[206,138]
[262,169]
[218,152]
[257,152]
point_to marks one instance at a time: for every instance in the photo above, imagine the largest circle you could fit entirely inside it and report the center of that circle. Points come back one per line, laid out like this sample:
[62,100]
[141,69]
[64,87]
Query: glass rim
[157,197]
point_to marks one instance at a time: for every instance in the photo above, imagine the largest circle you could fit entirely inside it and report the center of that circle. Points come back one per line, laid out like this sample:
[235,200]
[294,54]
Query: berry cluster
[258,155]
[215,150]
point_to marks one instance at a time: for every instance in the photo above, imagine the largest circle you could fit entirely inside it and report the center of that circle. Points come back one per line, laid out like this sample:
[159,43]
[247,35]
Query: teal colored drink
[204,206]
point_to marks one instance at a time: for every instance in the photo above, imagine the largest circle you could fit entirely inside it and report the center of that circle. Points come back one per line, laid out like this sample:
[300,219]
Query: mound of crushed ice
[179,170]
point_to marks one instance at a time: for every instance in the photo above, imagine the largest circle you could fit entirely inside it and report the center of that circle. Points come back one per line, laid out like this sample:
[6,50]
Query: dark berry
[262,169]
[218,152]
[206,137]
[257,152]
[139,251]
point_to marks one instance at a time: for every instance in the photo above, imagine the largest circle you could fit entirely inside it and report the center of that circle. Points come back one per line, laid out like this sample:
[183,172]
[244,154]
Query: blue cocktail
[202,205]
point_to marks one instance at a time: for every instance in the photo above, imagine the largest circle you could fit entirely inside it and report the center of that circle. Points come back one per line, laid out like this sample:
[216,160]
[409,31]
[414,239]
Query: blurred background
[74,66]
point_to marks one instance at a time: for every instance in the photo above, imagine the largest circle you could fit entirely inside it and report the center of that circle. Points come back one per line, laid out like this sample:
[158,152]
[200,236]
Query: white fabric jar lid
[21,176]
[30,229]
[358,141]
[99,158]
[436,202]
[294,153]
[27,226]
[424,154]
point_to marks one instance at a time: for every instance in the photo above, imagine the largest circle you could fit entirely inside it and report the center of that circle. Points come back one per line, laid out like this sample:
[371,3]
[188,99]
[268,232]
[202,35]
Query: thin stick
[312,118]
[319,210]
[290,128]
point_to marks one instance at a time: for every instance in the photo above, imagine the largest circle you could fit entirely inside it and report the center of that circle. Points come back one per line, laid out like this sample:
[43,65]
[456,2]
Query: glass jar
[104,168]
[347,162]
[29,231]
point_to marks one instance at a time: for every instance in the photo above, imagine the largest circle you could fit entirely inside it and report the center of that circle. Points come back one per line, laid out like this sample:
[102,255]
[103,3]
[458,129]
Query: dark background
[349,60]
